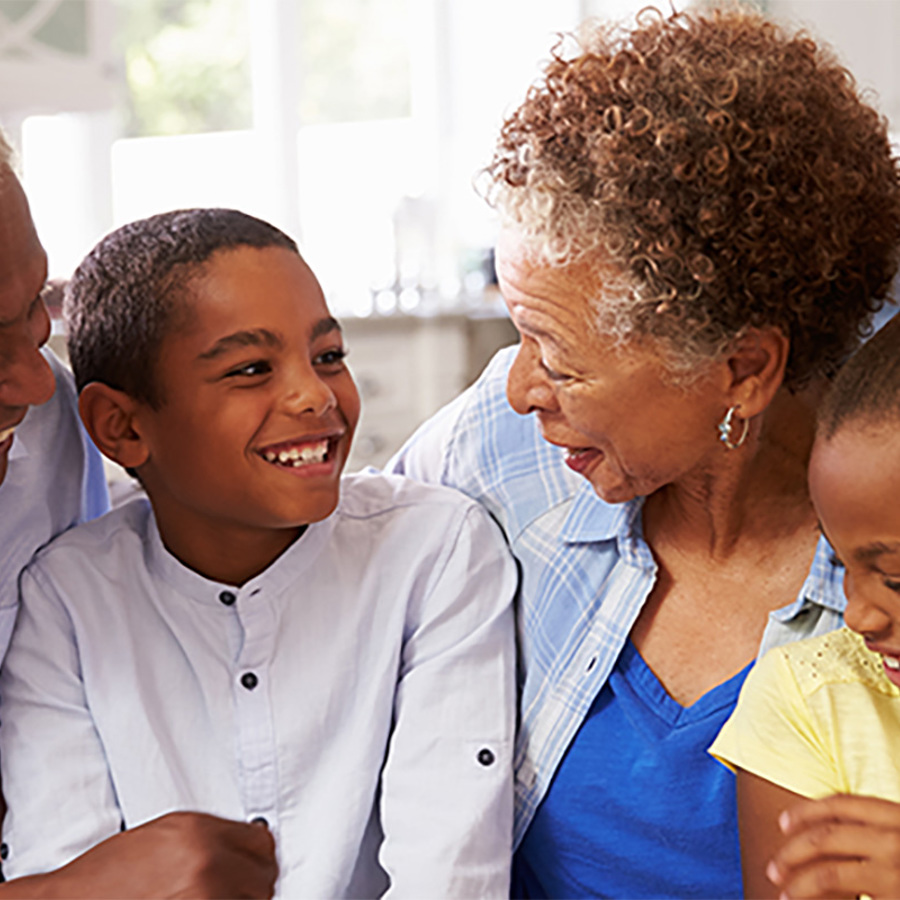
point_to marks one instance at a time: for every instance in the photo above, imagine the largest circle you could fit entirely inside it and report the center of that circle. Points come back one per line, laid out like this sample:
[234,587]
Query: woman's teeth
[891,662]
[299,456]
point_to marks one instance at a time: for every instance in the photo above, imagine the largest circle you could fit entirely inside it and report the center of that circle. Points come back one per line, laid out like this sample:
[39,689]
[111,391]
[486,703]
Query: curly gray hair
[728,173]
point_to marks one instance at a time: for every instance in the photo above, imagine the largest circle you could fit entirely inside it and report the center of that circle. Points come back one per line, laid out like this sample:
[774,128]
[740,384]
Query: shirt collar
[22,445]
[591,519]
[26,440]
[824,585]
[280,574]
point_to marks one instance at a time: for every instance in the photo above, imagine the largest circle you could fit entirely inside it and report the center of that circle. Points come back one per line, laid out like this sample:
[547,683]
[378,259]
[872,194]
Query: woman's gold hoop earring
[725,427]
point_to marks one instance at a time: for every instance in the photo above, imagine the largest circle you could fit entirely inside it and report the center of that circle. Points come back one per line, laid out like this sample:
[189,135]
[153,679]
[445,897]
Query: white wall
[866,37]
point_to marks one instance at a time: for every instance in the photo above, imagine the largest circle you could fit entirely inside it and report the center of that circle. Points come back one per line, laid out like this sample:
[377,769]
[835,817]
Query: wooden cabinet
[407,367]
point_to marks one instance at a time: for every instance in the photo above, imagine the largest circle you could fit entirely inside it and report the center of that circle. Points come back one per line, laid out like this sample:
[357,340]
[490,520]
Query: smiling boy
[331,655]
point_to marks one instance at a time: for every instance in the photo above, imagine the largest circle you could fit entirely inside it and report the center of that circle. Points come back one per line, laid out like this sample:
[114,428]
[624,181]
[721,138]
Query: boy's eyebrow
[258,337]
[324,326]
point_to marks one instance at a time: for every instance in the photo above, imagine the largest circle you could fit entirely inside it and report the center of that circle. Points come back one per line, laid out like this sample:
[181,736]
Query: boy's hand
[178,855]
[840,846]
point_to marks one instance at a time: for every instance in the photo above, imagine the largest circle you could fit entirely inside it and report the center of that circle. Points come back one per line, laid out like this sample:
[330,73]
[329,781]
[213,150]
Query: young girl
[820,719]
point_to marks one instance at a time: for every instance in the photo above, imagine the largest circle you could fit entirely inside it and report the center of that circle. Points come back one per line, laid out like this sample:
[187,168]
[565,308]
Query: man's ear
[109,417]
[755,369]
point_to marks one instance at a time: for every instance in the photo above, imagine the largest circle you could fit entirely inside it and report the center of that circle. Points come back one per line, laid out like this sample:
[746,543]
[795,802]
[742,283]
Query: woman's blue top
[637,807]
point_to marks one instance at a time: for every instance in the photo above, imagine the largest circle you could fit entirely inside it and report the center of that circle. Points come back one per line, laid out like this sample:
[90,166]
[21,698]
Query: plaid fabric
[585,568]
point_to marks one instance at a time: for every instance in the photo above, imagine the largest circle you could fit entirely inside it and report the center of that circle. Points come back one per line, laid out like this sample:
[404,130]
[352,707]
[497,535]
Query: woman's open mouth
[581,459]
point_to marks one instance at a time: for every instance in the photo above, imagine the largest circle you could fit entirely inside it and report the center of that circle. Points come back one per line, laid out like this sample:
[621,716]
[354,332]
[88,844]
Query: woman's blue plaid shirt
[585,568]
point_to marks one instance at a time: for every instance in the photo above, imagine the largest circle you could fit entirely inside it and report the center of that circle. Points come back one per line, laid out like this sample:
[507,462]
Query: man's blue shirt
[54,480]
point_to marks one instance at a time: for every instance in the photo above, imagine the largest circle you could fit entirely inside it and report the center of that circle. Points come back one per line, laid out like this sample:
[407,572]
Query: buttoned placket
[566,702]
[253,715]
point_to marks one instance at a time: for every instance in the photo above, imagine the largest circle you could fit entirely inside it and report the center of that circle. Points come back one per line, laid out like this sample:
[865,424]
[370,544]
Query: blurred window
[353,60]
[186,66]
[359,133]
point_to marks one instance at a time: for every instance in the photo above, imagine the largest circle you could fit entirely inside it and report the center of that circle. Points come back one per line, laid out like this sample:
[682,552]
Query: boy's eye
[892,585]
[259,367]
[332,357]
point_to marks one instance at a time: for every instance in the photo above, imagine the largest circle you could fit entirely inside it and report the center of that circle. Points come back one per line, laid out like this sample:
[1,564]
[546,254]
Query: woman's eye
[552,374]
[260,367]
[892,585]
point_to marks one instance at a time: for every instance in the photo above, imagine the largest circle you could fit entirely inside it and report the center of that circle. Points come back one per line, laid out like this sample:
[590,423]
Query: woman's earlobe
[108,415]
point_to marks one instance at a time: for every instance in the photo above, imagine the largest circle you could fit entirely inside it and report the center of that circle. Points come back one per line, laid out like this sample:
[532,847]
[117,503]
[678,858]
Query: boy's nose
[309,396]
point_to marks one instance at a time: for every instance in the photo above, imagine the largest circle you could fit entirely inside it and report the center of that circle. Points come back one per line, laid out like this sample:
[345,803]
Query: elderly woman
[701,217]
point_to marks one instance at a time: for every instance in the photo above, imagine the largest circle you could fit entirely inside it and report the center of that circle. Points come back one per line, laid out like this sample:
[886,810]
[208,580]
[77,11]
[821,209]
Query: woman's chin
[610,484]
[610,489]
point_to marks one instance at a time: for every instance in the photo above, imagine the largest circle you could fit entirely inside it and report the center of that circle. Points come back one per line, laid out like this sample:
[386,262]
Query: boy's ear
[755,368]
[108,415]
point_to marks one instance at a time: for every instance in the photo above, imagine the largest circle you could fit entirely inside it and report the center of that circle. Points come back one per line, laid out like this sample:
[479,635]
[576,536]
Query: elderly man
[50,478]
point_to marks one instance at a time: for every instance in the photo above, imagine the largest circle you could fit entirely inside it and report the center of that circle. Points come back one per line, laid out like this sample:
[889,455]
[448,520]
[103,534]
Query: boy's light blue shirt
[54,480]
[358,694]
[585,567]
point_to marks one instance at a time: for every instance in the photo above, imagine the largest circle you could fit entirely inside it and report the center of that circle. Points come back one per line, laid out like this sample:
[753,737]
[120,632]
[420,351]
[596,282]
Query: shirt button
[4,850]
[485,757]
[249,680]
[228,598]
[259,820]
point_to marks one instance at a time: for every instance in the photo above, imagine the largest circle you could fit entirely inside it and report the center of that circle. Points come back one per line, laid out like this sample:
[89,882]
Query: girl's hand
[840,846]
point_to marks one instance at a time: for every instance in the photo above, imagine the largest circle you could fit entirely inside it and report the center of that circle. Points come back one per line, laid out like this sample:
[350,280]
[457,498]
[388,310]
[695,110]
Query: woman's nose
[527,387]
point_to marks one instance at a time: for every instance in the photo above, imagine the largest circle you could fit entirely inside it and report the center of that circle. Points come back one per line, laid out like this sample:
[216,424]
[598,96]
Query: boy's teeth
[6,433]
[299,456]
[891,662]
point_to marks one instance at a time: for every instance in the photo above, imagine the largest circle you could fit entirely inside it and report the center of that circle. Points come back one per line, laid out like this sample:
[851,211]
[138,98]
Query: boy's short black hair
[127,294]
[866,390]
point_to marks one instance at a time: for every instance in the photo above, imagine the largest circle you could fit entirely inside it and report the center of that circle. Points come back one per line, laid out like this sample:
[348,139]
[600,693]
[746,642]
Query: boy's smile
[257,414]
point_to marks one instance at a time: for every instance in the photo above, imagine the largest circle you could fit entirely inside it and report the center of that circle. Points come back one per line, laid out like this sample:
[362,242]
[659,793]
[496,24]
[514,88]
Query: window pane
[354,60]
[186,65]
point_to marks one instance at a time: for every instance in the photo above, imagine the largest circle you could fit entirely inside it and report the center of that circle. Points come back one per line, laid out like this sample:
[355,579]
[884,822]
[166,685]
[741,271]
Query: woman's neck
[755,494]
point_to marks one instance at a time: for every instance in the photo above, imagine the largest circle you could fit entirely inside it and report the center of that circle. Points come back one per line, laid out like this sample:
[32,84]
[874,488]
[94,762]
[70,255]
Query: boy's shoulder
[371,493]
[838,657]
[101,538]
